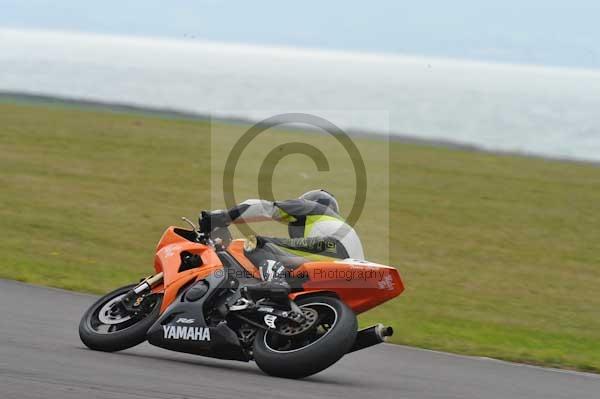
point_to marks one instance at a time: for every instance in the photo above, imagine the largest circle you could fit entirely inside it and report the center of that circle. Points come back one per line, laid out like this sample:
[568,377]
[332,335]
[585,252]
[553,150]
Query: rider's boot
[274,286]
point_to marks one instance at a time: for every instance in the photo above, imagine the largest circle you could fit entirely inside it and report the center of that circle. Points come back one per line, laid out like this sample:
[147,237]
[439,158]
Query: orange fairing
[170,247]
[361,285]
[168,261]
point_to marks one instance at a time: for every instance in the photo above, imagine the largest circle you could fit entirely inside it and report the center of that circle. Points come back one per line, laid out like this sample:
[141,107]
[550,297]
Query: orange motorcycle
[198,302]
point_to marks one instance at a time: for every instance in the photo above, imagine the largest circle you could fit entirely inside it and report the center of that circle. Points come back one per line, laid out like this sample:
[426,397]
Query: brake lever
[199,236]
[188,221]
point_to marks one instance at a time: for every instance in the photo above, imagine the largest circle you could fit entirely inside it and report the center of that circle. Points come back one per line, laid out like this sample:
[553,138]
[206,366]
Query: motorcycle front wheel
[330,337]
[107,326]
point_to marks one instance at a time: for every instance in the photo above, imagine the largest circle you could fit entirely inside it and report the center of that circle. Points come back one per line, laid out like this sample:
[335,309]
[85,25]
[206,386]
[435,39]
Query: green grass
[499,253]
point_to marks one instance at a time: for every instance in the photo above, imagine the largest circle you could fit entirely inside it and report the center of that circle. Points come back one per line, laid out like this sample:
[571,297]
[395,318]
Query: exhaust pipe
[371,336]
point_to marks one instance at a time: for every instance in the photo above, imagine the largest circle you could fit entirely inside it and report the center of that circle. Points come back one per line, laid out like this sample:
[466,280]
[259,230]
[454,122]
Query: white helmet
[322,197]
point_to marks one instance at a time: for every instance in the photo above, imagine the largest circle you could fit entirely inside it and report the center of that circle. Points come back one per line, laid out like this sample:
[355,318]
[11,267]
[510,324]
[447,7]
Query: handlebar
[207,234]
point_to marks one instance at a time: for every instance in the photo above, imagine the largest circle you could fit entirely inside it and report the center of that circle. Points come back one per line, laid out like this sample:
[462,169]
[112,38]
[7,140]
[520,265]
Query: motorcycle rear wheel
[105,328]
[309,353]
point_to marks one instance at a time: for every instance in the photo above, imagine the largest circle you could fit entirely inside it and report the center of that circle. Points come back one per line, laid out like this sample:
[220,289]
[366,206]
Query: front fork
[133,299]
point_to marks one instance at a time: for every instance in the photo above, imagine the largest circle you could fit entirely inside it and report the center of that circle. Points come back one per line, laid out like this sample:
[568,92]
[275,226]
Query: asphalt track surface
[41,357]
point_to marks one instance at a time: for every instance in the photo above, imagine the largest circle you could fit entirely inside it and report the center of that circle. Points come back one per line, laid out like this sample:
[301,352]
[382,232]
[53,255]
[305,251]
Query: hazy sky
[550,32]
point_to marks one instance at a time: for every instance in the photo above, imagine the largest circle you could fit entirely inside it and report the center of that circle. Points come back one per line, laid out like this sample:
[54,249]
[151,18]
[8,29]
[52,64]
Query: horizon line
[298,51]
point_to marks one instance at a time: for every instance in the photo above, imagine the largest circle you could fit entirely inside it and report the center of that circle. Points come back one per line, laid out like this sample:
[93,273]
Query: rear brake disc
[290,328]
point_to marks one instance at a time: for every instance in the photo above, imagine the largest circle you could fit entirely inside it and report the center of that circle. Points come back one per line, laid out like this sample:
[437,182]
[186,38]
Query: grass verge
[499,253]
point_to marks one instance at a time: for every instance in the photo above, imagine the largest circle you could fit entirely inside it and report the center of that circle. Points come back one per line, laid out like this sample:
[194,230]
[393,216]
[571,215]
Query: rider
[316,230]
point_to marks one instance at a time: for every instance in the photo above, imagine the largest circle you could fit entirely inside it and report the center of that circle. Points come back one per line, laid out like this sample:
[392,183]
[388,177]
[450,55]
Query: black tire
[316,356]
[129,333]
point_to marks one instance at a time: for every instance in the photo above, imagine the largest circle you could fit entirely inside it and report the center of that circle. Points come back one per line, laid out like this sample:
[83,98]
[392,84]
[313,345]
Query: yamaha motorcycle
[200,301]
